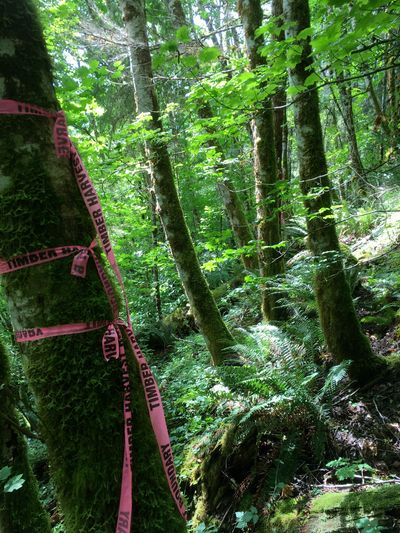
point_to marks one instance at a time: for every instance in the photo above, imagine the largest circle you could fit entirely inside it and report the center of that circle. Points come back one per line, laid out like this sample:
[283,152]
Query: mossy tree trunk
[339,322]
[79,396]
[20,510]
[279,103]
[217,336]
[265,171]
[393,89]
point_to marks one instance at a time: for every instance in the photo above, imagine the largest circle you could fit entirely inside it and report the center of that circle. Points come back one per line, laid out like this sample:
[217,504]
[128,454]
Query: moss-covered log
[79,396]
[20,510]
[337,315]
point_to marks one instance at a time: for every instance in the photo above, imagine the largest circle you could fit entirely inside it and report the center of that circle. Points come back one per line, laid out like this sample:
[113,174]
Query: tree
[337,315]
[265,170]
[231,199]
[217,336]
[79,396]
[20,509]
[279,103]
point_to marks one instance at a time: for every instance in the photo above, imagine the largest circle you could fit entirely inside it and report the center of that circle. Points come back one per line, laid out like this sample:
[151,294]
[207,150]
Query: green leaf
[312,79]
[14,483]
[169,46]
[209,54]
[189,61]
[5,473]
[295,89]
[183,34]
[69,84]
[337,3]
[93,64]
[307,32]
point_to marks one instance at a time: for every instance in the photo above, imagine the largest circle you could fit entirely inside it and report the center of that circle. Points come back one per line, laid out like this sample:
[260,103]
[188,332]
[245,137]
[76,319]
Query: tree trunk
[154,240]
[20,511]
[393,90]
[218,338]
[279,104]
[265,172]
[177,13]
[336,310]
[79,396]
[231,199]
[381,120]
[346,110]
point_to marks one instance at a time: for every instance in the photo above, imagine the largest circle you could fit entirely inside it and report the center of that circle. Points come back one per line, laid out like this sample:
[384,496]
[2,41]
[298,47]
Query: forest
[199,266]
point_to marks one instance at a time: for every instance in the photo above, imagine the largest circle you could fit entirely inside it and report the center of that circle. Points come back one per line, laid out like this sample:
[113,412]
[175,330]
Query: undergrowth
[262,420]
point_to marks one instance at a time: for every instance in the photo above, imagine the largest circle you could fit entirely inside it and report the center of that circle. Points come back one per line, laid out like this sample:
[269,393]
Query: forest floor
[364,422]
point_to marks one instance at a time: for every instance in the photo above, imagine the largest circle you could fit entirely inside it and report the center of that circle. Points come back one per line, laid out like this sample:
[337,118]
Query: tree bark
[218,338]
[346,110]
[265,171]
[79,396]
[21,510]
[339,322]
[279,104]
[177,13]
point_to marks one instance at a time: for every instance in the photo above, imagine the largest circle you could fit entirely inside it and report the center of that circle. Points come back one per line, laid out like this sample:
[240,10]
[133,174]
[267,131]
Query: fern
[282,396]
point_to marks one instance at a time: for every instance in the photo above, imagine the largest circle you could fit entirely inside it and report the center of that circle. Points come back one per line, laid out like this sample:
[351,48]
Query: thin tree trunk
[380,119]
[393,90]
[218,338]
[20,510]
[346,110]
[279,102]
[231,199]
[154,238]
[265,171]
[79,396]
[338,319]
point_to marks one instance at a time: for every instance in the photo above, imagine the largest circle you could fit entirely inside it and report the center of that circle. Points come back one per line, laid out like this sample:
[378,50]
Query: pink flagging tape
[157,418]
[113,348]
[35,334]
[92,202]
[112,342]
[37,258]
[60,132]
[78,268]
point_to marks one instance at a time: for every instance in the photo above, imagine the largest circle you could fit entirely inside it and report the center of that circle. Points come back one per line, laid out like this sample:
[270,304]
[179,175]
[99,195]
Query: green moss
[287,517]
[20,511]
[369,500]
[381,321]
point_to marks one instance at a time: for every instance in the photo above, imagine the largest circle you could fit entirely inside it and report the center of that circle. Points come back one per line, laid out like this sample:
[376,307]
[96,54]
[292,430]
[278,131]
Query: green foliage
[246,518]
[14,483]
[280,386]
[344,468]
[202,528]
[369,525]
